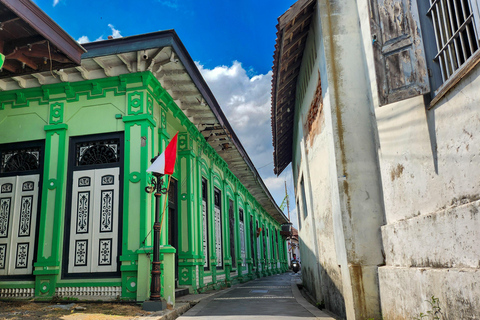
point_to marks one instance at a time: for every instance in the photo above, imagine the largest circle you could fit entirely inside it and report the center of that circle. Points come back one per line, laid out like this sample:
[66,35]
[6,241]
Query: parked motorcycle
[295,266]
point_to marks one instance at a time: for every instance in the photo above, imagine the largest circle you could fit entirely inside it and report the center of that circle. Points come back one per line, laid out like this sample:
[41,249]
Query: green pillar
[47,267]
[211,220]
[249,239]
[228,262]
[198,197]
[137,204]
[187,252]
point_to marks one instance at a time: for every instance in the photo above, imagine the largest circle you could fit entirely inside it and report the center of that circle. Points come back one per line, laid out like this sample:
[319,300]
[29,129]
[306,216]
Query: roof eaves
[283,142]
[45,26]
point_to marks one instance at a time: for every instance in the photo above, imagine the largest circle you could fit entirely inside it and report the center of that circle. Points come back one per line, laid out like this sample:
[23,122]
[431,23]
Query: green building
[75,143]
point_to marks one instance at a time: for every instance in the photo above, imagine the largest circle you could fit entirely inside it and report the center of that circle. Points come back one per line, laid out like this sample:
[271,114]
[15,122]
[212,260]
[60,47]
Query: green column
[187,252]
[198,196]
[47,267]
[211,220]
[227,263]
[237,237]
[258,252]
[248,241]
[137,204]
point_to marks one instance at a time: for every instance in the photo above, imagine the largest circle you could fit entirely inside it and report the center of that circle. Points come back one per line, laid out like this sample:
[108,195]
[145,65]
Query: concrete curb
[304,303]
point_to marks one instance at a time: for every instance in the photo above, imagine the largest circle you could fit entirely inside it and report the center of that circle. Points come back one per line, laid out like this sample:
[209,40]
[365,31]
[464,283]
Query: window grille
[20,160]
[97,152]
[455,24]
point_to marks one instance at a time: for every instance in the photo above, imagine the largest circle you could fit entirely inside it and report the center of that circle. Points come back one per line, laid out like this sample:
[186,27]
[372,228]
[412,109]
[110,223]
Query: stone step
[180,292]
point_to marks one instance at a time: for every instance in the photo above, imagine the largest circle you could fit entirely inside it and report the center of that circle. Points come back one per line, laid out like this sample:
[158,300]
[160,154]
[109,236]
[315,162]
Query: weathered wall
[313,150]
[357,197]
[335,153]
[429,168]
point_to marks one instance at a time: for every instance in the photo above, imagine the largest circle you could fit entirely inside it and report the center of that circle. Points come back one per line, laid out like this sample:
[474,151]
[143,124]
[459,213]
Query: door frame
[73,141]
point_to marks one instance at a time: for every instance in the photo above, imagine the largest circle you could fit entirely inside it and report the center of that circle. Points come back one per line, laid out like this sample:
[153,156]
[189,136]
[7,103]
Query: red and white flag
[165,162]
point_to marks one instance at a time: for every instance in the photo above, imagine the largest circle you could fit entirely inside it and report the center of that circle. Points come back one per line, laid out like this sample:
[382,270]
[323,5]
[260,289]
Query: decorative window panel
[22,256]
[81,252]
[242,238]
[206,264]
[3,255]
[105,252]
[108,180]
[4,216]
[83,211]
[84,182]
[25,216]
[106,211]
[7,188]
[28,186]
[231,220]
[218,229]
[259,244]
[252,241]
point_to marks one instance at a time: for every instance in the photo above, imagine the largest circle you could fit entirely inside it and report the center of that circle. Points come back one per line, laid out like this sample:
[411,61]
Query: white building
[376,105]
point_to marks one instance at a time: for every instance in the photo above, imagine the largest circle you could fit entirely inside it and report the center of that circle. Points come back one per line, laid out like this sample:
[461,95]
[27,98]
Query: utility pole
[288,204]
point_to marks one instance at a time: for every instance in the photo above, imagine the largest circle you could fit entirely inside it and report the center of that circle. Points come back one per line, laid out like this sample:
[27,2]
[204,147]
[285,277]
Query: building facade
[375,105]
[75,143]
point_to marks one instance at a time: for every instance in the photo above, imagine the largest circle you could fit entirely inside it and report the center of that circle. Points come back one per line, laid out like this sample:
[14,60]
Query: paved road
[275,297]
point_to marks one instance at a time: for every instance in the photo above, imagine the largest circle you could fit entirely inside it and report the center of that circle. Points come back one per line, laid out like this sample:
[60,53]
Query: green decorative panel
[135,102]
[184,143]
[149,104]
[56,113]
[163,120]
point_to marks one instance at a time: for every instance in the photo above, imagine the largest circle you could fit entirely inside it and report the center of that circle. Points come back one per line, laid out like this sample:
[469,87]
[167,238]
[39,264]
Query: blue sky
[232,43]
[214,32]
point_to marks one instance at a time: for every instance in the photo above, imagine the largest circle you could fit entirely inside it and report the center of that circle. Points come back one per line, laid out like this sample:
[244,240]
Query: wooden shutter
[400,63]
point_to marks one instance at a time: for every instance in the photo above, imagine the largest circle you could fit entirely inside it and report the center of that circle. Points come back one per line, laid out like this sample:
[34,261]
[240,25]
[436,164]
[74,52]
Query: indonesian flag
[165,162]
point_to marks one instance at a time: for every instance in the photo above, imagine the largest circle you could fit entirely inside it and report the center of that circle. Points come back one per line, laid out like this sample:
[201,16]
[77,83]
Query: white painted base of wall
[404,292]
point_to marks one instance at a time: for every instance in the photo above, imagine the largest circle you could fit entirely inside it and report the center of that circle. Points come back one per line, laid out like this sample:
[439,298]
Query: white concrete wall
[429,162]
[313,152]
[338,161]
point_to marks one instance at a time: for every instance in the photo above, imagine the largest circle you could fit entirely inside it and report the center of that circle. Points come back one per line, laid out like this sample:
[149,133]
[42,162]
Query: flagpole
[165,203]
[162,164]
[155,286]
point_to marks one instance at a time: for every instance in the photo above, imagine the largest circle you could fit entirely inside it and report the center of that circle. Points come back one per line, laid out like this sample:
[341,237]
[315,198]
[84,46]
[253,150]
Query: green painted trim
[45,272]
[139,119]
[102,283]
[17,285]
[56,127]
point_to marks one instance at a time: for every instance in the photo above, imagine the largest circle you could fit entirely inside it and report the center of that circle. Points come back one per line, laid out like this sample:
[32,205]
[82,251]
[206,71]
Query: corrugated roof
[293,27]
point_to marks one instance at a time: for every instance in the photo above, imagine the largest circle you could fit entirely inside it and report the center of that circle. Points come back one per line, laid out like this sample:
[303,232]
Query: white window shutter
[400,64]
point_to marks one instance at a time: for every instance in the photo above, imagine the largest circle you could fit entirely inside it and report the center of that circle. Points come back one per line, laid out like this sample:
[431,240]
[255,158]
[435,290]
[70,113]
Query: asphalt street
[274,297]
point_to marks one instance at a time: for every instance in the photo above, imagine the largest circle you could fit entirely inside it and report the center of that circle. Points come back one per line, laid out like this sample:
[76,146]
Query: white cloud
[83,39]
[246,102]
[55,2]
[294,218]
[115,32]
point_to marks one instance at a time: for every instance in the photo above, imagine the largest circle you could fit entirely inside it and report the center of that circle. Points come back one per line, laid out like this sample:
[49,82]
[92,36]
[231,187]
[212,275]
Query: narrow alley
[274,297]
